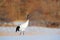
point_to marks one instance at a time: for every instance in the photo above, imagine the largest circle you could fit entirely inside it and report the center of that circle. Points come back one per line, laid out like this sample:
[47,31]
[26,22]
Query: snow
[51,36]
[31,29]
[36,37]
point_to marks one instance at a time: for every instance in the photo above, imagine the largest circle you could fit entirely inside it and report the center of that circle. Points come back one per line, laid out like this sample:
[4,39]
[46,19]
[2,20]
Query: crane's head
[28,16]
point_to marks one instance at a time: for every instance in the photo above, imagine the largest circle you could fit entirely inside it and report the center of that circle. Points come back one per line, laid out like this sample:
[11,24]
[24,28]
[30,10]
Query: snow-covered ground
[38,37]
[31,29]
[47,33]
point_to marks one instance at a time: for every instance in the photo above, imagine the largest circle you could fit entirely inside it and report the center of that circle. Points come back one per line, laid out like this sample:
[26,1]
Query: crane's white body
[24,26]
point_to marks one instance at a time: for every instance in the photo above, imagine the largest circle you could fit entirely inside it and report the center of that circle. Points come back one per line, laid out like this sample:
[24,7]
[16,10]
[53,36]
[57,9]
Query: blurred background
[44,13]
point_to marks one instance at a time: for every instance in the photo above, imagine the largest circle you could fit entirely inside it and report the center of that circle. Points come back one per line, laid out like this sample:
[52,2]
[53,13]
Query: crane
[23,26]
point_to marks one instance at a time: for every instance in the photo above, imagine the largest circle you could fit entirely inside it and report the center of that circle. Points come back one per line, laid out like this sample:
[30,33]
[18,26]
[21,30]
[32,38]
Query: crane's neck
[27,21]
[27,17]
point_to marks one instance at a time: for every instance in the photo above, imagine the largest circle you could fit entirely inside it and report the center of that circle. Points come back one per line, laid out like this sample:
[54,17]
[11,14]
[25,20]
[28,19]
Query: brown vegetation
[42,11]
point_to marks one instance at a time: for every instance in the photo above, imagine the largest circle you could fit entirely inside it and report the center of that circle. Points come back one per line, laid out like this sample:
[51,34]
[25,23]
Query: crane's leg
[23,32]
[20,33]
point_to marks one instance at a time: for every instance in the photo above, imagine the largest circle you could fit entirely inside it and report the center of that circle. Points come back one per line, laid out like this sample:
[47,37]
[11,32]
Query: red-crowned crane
[23,26]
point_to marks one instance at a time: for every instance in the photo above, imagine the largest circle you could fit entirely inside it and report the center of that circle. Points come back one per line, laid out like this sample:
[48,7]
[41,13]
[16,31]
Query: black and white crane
[23,26]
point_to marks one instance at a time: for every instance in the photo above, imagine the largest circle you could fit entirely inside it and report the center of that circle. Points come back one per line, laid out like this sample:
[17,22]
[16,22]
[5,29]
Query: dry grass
[47,10]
